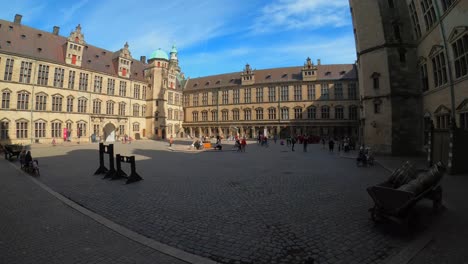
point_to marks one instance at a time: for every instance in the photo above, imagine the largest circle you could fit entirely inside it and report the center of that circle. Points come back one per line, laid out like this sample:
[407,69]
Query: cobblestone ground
[268,205]
[37,228]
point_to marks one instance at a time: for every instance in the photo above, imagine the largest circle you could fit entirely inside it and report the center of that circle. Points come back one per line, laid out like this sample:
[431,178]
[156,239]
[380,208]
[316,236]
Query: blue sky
[212,36]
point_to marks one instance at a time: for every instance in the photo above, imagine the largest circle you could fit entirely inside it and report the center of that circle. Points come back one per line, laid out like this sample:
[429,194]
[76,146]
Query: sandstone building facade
[55,87]
[316,99]
[413,69]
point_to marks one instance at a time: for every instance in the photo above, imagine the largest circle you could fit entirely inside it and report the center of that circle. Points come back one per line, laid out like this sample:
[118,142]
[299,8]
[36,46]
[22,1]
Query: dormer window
[218,81]
[39,35]
[103,53]
[39,49]
[107,65]
[285,75]
[23,36]
[195,84]
[8,43]
[97,56]
[207,83]
[327,73]
[342,72]
[10,28]
[268,76]
[89,61]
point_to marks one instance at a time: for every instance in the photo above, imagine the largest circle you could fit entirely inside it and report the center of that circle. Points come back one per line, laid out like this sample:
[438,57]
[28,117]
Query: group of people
[262,140]
[240,144]
[26,161]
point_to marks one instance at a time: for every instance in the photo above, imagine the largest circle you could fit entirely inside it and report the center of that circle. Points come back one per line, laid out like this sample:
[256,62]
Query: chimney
[18,19]
[318,61]
[143,59]
[56,30]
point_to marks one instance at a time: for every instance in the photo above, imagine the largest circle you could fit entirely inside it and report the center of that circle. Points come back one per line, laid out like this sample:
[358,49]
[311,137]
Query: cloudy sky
[212,36]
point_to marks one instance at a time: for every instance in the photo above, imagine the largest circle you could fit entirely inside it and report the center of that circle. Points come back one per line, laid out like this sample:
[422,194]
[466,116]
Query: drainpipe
[447,59]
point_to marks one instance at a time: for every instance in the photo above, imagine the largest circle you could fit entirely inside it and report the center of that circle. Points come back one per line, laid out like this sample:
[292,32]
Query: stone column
[191,131]
[242,132]
[254,132]
[209,131]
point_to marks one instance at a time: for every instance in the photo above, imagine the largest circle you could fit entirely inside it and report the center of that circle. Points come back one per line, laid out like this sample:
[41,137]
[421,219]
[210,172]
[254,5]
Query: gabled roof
[275,75]
[22,40]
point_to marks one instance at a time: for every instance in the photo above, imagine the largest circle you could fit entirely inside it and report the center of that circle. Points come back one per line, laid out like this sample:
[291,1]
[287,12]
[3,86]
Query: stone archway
[109,132]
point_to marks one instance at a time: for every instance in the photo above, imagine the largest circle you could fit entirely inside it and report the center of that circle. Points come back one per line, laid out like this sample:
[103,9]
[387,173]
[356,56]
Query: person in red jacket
[243,144]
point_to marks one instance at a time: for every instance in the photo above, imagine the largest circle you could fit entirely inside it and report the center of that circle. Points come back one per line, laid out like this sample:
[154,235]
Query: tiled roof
[26,41]
[275,75]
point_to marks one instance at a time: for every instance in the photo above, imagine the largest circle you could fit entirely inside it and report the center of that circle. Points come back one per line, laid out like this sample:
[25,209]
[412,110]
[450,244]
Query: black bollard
[111,172]
[120,173]
[102,169]
[133,175]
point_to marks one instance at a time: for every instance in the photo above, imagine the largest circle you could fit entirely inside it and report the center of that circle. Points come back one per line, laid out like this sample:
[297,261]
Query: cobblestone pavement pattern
[37,228]
[268,205]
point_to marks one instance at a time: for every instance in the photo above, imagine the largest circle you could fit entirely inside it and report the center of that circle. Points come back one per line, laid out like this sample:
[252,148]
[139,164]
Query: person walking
[243,144]
[323,143]
[293,142]
[171,140]
[275,138]
[331,145]
[305,142]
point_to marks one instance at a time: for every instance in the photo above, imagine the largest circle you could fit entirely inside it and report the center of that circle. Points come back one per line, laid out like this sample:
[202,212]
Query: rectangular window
[259,114]
[248,114]
[284,113]
[110,86]
[424,77]
[83,84]
[377,108]
[143,95]
[338,91]
[415,19]
[143,110]
[110,108]
[25,72]
[98,84]
[460,51]
[225,96]
[311,92]
[177,99]
[247,95]
[8,69]
[82,105]
[339,113]
[123,88]
[69,104]
[170,98]
[23,101]
[43,75]
[297,113]
[81,129]
[225,115]
[352,93]
[176,114]
[136,111]
[204,116]
[6,99]
[59,75]
[325,90]
[214,98]
[21,129]
[56,103]
[39,129]
[439,68]
[96,130]
[284,91]
[4,130]
[96,107]
[214,115]
[136,127]
[235,115]
[272,94]
[297,93]
[375,82]
[71,80]
[311,113]
[205,98]
[186,99]
[353,113]
[443,121]
[259,92]
[464,121]
[122,109]
[56,130]
[195,116]
[235,96]
[136,91]
[195,100]
[325,112]
[429,13]
[272,113]
[41,101]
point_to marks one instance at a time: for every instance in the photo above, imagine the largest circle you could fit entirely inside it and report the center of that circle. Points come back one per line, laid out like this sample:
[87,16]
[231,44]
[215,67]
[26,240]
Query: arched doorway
[109,132]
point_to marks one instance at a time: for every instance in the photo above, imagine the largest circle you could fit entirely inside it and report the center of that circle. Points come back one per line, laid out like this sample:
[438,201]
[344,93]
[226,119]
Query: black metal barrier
[106,149]
[121,174]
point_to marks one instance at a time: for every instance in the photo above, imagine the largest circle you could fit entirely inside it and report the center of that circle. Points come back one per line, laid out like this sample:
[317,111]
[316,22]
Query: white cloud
[301,14]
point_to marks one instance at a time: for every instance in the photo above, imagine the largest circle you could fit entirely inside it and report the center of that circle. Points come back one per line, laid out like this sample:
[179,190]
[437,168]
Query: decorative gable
[463,107]
[435,50]
[309,71]
[74,47]
[123,61]
[457,32]
[248,75]
[442,110]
